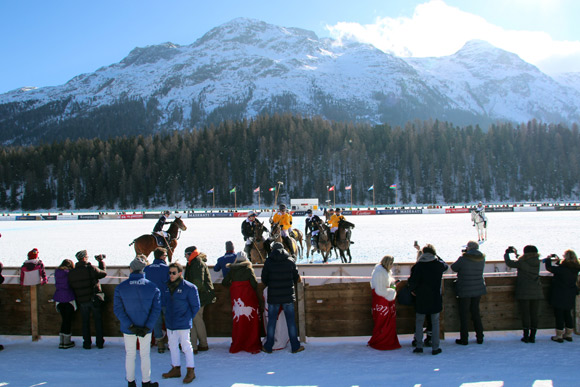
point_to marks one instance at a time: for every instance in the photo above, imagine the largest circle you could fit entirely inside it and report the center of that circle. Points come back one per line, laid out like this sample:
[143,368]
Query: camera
[511,249]
[100,257]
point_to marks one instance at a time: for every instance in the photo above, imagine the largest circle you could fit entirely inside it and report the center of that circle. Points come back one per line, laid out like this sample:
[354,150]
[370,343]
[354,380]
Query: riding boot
[267,246]
[248,250]
[288,244]
[332,239]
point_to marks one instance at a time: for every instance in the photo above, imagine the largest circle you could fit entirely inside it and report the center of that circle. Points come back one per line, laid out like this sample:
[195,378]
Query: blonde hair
[387,262]
[571,257]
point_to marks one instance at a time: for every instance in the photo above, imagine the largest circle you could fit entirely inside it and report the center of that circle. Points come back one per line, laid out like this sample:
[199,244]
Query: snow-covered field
[374,236]
[503,360]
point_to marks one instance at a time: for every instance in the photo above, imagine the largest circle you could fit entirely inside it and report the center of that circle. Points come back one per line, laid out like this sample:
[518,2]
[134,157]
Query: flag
[233,190]
[348,187]
[393,186]
[331,189]
[272,189]
[257,189]
[371,187]
[210,191]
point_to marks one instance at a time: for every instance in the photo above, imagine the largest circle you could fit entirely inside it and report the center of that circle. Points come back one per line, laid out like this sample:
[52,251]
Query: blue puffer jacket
[181,306]
[223,261]
[137,302]
[158,273]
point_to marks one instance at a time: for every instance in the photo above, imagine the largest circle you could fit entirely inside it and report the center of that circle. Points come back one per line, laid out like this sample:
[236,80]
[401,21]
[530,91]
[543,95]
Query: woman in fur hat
[528,288]
[384,309]
[564,291]
[243,285]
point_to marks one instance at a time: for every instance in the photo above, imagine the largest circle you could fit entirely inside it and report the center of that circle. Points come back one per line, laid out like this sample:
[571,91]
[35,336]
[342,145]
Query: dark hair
[159,252]
[67,264]
[176,265]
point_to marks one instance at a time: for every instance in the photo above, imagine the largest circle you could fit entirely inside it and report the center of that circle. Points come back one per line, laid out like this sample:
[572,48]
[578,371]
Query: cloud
[436,29]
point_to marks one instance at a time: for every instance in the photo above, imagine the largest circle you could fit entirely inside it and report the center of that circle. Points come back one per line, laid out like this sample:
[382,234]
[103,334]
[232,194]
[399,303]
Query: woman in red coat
[384,308]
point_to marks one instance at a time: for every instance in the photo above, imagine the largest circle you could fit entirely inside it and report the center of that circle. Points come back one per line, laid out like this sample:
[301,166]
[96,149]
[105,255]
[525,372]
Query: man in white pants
[137,306]
[181,301]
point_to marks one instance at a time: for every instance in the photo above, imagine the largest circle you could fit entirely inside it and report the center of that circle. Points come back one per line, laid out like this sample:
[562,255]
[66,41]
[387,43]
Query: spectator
[64,298]
[84,280]
[528,289]
[197,273]
[280,275]
[158,273]
[428,325]
[32,270]
[564,291]
[225,260]
[243,285]
[1,282]
[470,286]
[181,301]
[425,285]
[384,309]
[137,305]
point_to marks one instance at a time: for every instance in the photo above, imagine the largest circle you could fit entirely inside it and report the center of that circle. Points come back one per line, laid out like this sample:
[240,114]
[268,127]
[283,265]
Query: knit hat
[241,257]
[229,246]
[530,249]
[137,265]
[81,255]
[471,245]
[33,254]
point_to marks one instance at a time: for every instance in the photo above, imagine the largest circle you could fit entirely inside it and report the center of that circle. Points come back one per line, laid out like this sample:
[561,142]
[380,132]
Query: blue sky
[46,43]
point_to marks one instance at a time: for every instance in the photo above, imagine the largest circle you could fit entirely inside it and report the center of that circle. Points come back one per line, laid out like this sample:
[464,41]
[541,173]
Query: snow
[502,360]
[374,236]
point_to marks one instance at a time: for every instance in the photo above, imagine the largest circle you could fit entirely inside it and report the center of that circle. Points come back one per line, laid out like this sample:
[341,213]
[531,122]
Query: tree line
[431,162]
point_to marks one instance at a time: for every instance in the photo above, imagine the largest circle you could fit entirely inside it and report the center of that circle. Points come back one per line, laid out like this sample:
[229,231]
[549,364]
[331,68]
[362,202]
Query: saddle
[161,240]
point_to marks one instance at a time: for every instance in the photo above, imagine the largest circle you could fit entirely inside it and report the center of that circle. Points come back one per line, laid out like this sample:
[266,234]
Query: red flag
[331,189]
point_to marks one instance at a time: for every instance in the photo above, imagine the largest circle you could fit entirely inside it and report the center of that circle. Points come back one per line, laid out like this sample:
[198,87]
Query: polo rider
[284,219]
[334,221]
[158,229]
[312,222]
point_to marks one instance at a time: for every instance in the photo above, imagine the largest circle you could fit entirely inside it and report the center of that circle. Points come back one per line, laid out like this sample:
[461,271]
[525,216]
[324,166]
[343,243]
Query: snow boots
[526,337]
[65,341]
[150,384]
[175,372]
[189,376]
[532,338]
[568,334]
[161,347]
[559,336]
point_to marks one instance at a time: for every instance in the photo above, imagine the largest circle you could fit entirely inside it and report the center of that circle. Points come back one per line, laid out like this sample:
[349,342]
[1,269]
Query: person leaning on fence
[528,288]
[384,308]
[197,273]
[470,286]
[64,298]
[563,293]
[280,275]
[32,270]
[228,258]
[425,285]
[84,280]
[158,273]
[181,301]
[137,305]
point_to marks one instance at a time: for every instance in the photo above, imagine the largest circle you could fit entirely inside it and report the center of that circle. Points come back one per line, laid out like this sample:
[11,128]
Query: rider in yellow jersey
[334,221]
[284,219]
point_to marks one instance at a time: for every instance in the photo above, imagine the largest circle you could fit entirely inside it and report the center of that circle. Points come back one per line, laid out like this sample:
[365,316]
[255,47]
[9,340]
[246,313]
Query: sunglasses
[173,273]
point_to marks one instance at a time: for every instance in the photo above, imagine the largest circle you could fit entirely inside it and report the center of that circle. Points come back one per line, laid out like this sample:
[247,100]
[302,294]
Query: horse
[342,239]
[145,244]
[258,252]
[324,242]
[480,224]
[276,236]
[298,237]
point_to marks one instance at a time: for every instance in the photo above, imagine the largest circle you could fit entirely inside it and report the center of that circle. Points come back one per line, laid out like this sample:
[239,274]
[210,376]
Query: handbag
[404,296]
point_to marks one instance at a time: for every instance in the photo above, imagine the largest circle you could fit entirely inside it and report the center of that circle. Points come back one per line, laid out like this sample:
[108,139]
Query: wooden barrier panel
[334,309]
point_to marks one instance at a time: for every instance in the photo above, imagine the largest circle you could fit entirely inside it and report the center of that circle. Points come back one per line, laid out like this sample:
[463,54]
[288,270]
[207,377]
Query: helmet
[166,212]
[252,213]
[337,209]
[309,211]
[282,206]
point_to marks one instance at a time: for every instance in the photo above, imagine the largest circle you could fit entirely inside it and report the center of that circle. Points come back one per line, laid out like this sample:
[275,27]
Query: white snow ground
[374,236]
[503,360]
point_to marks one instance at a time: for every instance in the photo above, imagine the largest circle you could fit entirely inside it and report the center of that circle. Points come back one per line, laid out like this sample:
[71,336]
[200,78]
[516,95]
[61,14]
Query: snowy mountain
[246,67]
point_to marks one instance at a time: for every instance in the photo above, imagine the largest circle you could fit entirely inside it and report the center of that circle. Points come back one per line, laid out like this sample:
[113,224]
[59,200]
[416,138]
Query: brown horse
[258,253]
[324,243]
[298,237]
[342,239]
[276,236]
[145,244]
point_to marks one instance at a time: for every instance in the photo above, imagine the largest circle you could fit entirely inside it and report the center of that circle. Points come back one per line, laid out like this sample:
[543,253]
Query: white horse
[480,223]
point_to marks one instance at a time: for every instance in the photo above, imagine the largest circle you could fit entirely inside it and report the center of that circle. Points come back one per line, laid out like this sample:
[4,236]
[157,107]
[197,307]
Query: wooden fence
[329,310]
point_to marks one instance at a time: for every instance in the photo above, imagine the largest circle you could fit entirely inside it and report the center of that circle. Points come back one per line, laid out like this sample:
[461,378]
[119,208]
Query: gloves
[139,331]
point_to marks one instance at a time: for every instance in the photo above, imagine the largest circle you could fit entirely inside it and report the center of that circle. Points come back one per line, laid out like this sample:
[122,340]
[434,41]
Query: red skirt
[385,328]
[246,323]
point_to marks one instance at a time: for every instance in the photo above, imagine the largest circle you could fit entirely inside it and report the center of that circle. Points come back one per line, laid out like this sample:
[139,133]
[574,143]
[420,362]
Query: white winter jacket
[381,282]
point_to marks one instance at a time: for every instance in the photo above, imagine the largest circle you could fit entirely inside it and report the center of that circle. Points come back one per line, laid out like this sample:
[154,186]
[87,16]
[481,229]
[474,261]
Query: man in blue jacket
[158,273]
[137,306]
[228,257]
[181,301]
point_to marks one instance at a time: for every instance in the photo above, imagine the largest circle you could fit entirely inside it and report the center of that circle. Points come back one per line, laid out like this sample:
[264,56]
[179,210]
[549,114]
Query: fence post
[577,316]
[34,312]
[301,311]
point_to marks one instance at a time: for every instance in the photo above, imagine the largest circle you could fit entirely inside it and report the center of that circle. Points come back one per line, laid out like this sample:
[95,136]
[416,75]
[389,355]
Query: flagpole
[213,195]
[334,197]
[259,207]
[351,197]
[373,194]
[235,199]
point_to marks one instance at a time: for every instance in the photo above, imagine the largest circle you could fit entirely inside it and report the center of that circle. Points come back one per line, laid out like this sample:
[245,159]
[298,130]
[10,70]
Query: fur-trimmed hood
[237,265]
[426,257]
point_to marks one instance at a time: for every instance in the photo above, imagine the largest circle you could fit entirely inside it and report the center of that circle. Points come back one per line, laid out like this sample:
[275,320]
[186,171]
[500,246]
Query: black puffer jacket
[84,280]
[564,290]
[528,285]
[280,275]
[469,268]
[425,282]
